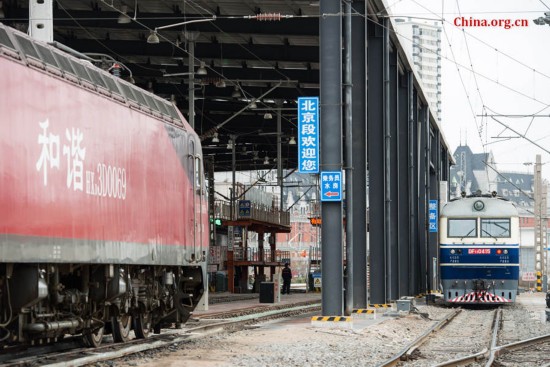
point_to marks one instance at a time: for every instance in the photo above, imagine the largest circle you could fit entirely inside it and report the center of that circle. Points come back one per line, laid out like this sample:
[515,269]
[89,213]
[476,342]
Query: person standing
[287,277]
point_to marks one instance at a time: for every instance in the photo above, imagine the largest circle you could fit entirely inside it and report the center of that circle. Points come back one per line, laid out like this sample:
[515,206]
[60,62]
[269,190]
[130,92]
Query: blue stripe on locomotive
[472,266]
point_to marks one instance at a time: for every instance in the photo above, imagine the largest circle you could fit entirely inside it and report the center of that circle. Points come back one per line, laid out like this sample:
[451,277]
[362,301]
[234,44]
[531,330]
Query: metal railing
[255,255]
[259,212]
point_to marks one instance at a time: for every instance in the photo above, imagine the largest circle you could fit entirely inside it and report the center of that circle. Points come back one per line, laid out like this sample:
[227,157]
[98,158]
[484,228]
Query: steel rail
[407,351]
[495,350]
[494,339]
[485,353]
[88,356]
[520,344]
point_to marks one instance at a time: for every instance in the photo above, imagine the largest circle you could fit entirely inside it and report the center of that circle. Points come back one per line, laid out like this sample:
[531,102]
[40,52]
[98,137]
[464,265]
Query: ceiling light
[215,138]
[124,18]
[236,93]
[268,116]
[202,69]
[292,141]
[230,144]
[220,83]
[253,105]
[266,160]
[153,37]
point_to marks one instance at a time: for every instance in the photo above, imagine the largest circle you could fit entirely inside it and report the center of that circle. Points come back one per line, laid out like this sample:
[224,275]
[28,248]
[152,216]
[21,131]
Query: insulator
[268,16]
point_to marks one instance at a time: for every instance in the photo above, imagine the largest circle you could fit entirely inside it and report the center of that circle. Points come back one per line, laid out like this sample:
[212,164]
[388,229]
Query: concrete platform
[240,301]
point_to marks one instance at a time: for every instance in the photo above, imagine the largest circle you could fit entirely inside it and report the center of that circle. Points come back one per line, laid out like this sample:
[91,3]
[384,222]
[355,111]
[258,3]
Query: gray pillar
[422,197]
[279,155]
[403,236]
[414,251]
[359,139]
[387,159]
[41,20]
[375,152]
[330,35]
[392,225]
[349,160]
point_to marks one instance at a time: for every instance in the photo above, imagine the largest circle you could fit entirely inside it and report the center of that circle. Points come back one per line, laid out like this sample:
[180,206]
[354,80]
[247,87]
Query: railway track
[471,337]
[69,353]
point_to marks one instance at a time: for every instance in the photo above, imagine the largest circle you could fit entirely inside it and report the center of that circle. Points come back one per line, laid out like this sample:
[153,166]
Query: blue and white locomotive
[479,250]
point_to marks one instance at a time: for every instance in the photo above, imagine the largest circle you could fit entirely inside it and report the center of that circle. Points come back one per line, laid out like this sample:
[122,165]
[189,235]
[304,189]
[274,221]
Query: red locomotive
[103,210]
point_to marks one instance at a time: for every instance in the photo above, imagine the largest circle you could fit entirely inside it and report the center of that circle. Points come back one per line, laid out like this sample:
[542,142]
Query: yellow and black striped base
[380,305]
[332,318]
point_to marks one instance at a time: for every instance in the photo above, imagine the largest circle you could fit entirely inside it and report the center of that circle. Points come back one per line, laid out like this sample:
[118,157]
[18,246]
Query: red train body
[103,219]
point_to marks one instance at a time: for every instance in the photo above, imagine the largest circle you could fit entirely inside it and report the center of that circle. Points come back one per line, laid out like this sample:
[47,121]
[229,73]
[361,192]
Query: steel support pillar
[376,164]
[330,35]
[393,175]
[348,304]
[433,149]
[414,250]
[403,236]
[423,195]
[359,139]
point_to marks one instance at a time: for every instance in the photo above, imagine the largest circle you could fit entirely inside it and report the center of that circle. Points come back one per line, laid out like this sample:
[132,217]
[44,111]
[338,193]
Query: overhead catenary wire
[355,13]
[480,128]
[322,15]
[249,95]
[485,43]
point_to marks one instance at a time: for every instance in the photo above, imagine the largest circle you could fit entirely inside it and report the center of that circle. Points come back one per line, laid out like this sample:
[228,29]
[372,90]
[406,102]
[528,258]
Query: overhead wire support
[522,135]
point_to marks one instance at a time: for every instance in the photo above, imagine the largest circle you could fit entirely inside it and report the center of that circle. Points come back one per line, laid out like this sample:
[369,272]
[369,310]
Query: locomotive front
[103,202]
[479,250]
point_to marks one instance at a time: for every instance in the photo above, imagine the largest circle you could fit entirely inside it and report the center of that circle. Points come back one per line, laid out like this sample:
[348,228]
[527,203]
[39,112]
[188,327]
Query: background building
[423,39]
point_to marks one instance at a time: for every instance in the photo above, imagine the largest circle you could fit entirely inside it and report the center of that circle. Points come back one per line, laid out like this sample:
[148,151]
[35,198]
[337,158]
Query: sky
[493,70]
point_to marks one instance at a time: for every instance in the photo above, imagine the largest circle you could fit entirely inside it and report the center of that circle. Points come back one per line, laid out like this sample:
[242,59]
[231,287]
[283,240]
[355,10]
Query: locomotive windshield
[462,228]
[495,227]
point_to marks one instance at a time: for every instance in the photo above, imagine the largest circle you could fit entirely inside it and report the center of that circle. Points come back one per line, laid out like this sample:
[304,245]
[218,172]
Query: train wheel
[93,338]
[142,325]
[121,328]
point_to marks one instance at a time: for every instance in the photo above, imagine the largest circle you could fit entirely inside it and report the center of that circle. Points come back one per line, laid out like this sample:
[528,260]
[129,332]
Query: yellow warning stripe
[363,310]
[381,305]
[330,318]
[425,294]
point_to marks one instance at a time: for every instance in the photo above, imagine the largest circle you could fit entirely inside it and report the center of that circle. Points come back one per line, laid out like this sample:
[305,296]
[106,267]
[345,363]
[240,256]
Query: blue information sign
[308,134]
[432,215]
[331,186]
[244,208]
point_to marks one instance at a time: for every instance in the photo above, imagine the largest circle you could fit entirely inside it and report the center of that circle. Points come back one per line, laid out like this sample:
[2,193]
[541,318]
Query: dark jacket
[287,273]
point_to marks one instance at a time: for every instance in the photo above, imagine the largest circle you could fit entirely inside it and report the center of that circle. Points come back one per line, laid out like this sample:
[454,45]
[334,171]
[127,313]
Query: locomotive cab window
[497,228]
[462,228]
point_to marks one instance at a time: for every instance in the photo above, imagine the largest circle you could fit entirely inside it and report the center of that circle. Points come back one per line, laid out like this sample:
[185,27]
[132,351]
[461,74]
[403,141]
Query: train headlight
[479,205]
[453,251]
[499,252]
[505,252]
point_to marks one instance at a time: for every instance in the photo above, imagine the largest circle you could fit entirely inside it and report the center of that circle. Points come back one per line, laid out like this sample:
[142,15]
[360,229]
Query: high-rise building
[423,38]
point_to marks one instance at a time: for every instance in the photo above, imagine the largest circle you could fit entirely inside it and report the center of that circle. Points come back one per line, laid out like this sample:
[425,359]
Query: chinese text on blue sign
[308,134]
[331,186]
[432,215]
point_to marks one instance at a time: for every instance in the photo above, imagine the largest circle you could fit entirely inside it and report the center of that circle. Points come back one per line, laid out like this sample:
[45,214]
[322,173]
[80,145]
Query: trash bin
[267,292]
[221,282]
